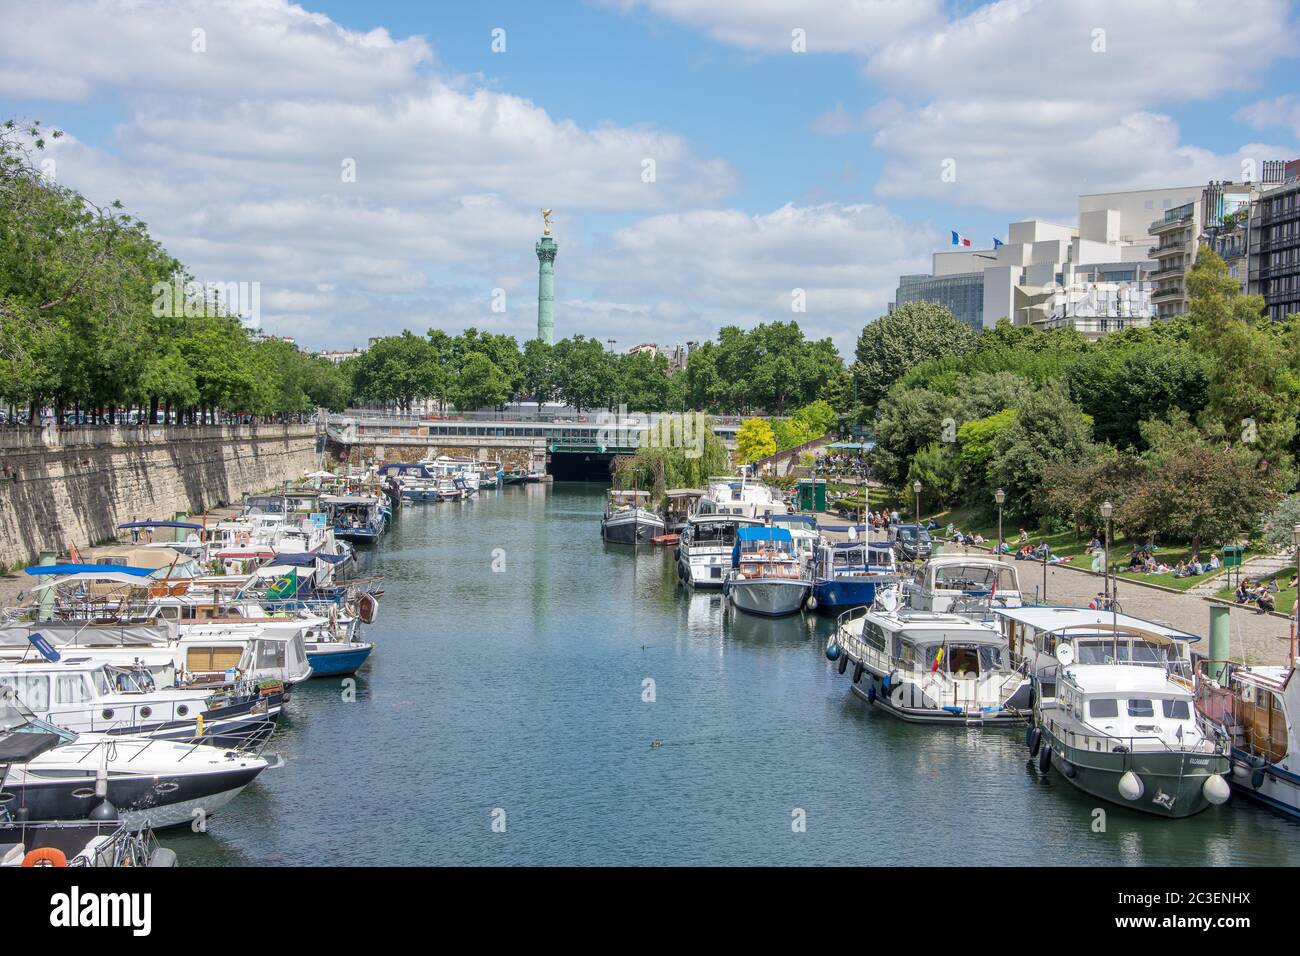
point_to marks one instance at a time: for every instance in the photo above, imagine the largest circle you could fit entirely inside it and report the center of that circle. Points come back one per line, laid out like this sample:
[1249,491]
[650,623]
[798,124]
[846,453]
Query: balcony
[1168,272]
[1170,294]
[1168,249]
[1168,224]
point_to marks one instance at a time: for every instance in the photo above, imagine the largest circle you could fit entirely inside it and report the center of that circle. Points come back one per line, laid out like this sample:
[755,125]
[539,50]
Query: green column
[46,602]
[1218,638]
[546,249]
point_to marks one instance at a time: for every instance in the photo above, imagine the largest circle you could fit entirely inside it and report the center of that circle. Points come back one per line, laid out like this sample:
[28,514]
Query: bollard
[1219,633]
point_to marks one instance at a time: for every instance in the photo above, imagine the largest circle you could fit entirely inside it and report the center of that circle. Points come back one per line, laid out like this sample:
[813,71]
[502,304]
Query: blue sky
[776,169]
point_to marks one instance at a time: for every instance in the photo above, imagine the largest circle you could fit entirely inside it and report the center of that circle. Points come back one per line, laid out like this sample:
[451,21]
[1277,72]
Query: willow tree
[657,467]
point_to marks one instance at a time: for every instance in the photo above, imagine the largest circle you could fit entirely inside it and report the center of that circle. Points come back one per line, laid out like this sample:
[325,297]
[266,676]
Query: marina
[732,691]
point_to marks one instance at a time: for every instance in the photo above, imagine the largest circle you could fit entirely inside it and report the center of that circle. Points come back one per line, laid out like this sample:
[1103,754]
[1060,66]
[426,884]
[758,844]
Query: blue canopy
[781,520]
[305,559]
[89,569]
[161,524]
[763,534]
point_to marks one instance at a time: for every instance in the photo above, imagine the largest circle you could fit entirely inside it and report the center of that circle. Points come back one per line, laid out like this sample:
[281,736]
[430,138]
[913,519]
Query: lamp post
[1107,509]
[916,490]
[1295,539]
[1000,497]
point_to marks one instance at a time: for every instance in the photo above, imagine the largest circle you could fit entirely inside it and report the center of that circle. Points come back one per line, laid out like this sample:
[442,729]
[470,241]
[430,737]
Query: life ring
[46,856]
[368,608]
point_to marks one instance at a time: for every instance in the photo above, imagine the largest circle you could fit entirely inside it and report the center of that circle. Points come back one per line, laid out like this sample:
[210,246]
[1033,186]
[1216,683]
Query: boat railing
[1112,743]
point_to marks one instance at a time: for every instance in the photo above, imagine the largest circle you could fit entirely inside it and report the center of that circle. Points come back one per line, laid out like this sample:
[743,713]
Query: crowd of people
[841,466]
[1144,561]
[1263,595]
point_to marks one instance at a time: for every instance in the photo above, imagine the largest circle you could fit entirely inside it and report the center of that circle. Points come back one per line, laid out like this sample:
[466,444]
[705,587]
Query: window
[1140,707]
[70,689]
[270,654]
[1103,707]
[32,689]
[1176,709]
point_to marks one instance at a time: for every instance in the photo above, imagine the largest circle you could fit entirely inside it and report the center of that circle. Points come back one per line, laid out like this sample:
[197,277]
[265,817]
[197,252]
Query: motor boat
[929,667]
[48,773]
[741,496]
[1128,732]
[704,548]
[848,574]
[628,518]
[964,582]
[79,843]
[766,576]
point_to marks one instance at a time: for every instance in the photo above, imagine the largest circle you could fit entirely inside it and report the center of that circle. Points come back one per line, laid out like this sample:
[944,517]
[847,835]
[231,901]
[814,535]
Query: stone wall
[78,485]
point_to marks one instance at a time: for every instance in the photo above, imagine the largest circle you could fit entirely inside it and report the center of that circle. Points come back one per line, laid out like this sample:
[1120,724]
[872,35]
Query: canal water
[523,671]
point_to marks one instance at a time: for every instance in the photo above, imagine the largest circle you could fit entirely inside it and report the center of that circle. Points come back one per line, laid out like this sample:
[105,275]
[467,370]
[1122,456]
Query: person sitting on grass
[1244,592]
[1214,564]
[1093,545]
[1264,601]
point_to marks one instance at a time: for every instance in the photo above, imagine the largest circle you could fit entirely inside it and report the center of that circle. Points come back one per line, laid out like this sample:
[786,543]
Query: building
[1273,239]
[645,348]
[960,293]
[340,357]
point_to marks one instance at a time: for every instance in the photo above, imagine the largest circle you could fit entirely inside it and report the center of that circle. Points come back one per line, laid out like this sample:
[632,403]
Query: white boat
[964,582]
[54,774]
[84,695]
[463,468]
[628,519]
[767,576]
[741,496]
[1254,706]
[929,667]
[704,549]
[1129,733]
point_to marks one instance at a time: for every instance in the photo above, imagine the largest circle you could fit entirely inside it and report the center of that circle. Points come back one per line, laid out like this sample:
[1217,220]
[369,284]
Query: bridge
[567,447]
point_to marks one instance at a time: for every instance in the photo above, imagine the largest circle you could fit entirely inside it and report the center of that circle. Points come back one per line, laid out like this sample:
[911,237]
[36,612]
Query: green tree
[754,440]
[914,333]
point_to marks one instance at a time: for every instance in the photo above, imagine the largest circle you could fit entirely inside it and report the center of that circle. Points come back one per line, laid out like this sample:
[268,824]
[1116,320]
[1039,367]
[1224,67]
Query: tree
[401,369]
[582,372]
[656,469]
[755,440]
[537,372]
[480,383]
[1048,428]
[1279,524]
[914,333]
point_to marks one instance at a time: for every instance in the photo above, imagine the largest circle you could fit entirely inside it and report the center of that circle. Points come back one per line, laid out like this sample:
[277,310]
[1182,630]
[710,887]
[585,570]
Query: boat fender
[1216,789]
[163,857]
[871,694]
[832,652]
[811,603]
[1035,736]
[1240,771]
[1067,768]
[1044,759]
[857,671]
[844,662]
[1257,778]
[46,856]
[1130,786]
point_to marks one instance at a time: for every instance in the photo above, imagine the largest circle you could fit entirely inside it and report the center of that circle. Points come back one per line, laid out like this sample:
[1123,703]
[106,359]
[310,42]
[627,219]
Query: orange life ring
[45,856]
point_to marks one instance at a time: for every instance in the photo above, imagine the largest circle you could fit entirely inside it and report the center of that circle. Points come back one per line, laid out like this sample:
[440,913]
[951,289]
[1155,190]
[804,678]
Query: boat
[464,469]
[1253,707]
[84,695]
[704,547]
[355,518]
[516,476]
[963,581]
[54,774]
[741,496]
[80,843]
[766,577]
[1129,733]
[848,574]
[628,518]
[929,667]
[415,481]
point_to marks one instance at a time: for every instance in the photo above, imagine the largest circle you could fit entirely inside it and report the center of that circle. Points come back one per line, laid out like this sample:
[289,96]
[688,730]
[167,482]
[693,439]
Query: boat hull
[841,595]
[1173,782]
[901,701]
[768,597]
[637,529]
[329,661]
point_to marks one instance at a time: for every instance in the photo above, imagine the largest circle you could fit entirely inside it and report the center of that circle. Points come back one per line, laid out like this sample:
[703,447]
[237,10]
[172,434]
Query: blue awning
[161,524]
[89,569]
[763,534]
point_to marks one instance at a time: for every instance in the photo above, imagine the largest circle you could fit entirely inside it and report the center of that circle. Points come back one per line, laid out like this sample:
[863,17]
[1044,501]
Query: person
[1214,561]
[1093,545]
[1244,592]
[1024,537]
[1181,570]
[1264,601]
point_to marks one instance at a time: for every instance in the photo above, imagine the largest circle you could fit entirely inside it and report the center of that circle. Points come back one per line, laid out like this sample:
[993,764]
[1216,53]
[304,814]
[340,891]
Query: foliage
[656,469]
[1279,523]
[914,333]
[754,440]
[770,368]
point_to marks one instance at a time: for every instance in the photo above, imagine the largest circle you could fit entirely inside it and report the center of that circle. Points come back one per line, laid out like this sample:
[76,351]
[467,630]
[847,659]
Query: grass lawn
[1064,544]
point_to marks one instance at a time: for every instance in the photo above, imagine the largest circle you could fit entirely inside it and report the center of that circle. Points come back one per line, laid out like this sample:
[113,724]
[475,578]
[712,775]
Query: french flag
[959,240]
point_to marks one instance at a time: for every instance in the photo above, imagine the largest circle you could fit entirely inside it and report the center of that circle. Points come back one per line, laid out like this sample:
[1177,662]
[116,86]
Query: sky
[382,165]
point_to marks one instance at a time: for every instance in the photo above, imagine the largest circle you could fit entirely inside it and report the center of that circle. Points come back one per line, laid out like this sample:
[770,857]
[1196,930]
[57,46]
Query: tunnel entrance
[579,466]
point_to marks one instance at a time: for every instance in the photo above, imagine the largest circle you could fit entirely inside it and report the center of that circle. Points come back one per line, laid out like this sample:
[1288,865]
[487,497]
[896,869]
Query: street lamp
[1000,497]
[1107,509]
[1295,539]
[916,490]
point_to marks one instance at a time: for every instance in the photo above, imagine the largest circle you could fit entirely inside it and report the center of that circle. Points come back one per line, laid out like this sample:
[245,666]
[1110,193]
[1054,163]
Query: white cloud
[1282,111]
[830,26]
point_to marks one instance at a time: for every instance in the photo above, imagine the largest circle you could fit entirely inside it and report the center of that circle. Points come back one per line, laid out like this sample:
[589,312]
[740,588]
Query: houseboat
[629,519]
[704,549]
[767,576]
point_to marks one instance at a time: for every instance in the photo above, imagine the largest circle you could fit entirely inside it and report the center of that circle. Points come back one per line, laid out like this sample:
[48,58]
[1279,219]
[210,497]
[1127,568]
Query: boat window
[1176,709]
[71,689]
[102,685]
[270,654]
[1103,707]
[874,634]
[1148,653]
[1140,707]
[30,689]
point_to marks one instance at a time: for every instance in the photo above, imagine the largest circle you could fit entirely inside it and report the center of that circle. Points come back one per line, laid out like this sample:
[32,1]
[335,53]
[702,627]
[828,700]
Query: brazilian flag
[285,587]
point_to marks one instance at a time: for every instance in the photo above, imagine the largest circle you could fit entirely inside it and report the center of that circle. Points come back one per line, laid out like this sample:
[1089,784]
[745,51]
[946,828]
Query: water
[521,691]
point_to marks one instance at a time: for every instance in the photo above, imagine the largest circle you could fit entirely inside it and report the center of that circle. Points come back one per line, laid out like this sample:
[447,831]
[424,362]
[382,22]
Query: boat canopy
[685,493]
[305,559]
[763,533]
[96,569]
[131,578]
[856,545]
[1080,619]
[788,520]
[161,524]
